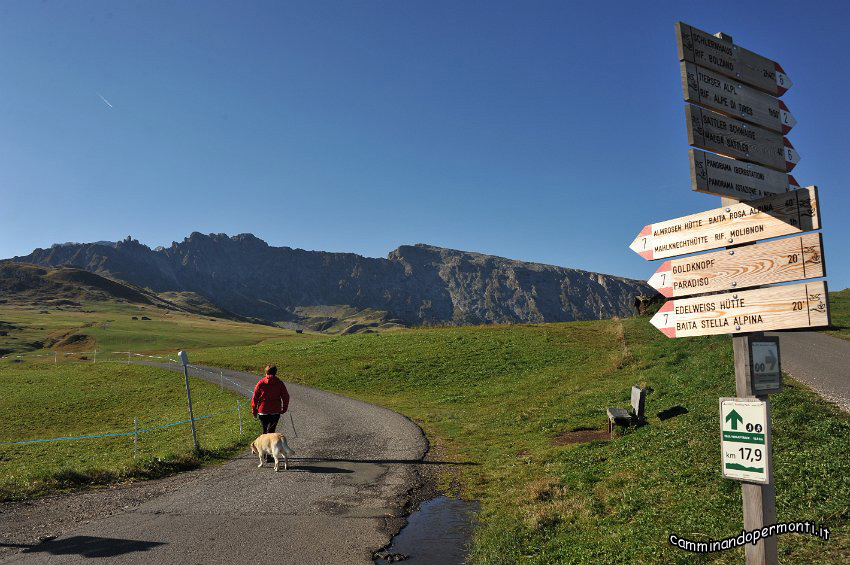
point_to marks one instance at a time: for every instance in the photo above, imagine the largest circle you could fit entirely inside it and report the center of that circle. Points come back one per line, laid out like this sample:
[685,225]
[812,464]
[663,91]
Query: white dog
[274,445]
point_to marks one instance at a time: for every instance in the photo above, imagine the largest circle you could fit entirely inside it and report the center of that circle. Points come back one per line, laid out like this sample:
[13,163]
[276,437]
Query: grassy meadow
[839,310]
[45,401]
[524,403]
[109,326]
[508,397]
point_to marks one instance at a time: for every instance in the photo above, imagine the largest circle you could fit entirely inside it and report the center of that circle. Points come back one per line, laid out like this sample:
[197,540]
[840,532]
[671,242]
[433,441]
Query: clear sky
[542,131]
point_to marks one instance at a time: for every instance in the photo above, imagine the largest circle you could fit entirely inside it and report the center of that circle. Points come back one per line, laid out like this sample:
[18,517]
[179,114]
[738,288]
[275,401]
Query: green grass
[839,310]
[112,327]
[44,401]
[498,396]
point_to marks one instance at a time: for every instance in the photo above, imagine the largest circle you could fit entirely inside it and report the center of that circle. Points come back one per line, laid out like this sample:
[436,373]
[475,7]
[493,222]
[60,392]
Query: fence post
[135,438]
[222,380]
[184,359]
[128,357]
[54,358]
[239,409]
[94,359]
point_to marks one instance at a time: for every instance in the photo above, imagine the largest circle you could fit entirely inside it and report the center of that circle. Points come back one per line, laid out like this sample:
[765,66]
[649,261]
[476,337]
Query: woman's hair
[271,369]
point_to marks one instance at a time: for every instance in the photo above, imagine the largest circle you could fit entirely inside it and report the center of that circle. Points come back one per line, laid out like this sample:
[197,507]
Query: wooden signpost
[763,309]
[745,222]
[786,260]
[734,138]
[724,57]
[722,176]
[734,115]
[730,97]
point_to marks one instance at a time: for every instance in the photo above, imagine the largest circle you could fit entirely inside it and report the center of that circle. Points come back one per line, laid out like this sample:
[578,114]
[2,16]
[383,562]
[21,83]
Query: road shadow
[89,546]
[384,461]
[318,469]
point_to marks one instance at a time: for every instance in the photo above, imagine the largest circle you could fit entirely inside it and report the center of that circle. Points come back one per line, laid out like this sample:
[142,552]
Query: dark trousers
[269,422]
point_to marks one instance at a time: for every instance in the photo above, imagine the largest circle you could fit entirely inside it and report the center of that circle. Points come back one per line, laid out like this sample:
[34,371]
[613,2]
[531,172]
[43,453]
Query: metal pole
[239,409]
[94,359]
[135,438]
[54,358]
[222,380]
[189,399]
[128,357]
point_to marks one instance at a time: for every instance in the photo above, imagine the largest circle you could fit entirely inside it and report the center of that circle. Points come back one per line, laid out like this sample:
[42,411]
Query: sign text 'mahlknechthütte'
[785,260]
[745,222]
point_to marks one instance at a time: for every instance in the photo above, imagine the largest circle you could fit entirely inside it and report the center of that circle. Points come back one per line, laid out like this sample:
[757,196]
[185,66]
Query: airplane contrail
[104,99]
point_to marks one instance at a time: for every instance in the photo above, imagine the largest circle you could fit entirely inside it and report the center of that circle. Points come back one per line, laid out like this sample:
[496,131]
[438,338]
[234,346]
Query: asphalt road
[819,361]
[341,500]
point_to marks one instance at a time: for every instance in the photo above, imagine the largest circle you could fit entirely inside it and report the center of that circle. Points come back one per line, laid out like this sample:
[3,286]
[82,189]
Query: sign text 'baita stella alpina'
[763,309]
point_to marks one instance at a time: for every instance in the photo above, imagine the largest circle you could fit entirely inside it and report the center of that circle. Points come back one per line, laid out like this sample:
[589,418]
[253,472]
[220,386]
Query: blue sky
[543,131]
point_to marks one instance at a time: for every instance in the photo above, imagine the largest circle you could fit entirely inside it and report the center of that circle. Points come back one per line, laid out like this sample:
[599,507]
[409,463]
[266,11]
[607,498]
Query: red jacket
[270,396]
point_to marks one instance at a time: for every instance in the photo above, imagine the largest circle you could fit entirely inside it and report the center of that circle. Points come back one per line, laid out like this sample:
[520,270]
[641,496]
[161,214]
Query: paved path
[819,361]
[342,498]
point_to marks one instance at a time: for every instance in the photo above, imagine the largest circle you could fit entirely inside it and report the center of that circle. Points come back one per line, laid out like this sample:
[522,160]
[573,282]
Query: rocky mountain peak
[418,284]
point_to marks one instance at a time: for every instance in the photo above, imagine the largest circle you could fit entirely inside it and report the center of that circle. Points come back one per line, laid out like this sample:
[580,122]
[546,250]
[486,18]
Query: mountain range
[415,285]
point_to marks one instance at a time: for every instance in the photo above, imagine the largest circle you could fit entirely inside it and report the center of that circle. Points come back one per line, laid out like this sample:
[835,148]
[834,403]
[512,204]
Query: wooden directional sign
[729,96]
[763,309]
[722,176]
[745,222]
[785,260]
[723,57]
[734,138]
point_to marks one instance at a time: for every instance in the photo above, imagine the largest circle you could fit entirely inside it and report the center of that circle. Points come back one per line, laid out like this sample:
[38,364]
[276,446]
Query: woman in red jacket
[270,400]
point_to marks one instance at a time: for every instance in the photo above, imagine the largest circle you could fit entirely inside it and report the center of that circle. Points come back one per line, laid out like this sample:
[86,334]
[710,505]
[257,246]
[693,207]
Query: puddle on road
[438,532]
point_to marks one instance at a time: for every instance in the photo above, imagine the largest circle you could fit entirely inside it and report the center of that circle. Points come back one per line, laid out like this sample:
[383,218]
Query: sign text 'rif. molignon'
[745,222]
[785,260]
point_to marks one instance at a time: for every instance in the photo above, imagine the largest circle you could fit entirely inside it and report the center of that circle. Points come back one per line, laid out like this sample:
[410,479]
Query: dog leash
[291,421]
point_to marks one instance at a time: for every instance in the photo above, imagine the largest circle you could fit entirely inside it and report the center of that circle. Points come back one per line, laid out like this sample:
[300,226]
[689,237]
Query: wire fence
[132,357]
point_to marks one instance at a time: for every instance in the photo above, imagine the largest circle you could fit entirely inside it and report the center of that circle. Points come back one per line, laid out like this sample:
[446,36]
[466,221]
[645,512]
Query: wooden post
[759,500]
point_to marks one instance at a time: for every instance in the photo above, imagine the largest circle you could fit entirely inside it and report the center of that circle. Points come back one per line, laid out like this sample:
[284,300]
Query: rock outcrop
[418,284]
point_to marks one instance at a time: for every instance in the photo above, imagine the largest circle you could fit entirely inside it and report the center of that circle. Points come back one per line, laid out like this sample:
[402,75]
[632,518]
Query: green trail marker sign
[745,440]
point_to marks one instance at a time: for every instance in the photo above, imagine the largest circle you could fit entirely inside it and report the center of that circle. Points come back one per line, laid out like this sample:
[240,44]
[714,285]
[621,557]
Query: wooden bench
[623,417]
